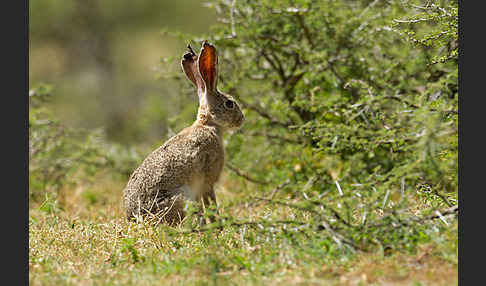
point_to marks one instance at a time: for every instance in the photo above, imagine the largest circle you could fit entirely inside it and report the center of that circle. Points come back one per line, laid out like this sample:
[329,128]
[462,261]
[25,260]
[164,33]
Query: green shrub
[61,156]
[352,113]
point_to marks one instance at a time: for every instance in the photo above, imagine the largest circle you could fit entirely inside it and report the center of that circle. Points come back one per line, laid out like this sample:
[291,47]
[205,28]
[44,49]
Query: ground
[84,239]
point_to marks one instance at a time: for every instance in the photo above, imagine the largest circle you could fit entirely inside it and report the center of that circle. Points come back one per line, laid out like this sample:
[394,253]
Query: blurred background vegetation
[351,108]
[101,58]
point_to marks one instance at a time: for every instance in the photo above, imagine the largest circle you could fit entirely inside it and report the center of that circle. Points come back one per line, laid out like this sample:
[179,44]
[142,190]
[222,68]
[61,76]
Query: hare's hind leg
[170,209]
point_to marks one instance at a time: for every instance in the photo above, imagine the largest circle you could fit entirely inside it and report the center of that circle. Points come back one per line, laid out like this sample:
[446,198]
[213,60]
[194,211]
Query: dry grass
[90,243]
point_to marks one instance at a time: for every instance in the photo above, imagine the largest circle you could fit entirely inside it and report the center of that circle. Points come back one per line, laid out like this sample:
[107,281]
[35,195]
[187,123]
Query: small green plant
[128,246]
[50,205]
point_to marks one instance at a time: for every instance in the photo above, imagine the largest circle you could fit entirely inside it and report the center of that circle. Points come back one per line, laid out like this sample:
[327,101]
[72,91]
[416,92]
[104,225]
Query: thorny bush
[351,113]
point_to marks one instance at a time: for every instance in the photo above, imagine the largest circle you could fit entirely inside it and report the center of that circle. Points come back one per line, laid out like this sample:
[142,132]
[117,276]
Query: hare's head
[214,106]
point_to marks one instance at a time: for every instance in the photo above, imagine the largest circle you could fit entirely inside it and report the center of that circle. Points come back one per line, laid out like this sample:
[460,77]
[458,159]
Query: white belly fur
[194,189]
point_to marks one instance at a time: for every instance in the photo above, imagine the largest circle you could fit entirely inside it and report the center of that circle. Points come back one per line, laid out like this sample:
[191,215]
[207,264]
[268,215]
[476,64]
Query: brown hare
[187,166]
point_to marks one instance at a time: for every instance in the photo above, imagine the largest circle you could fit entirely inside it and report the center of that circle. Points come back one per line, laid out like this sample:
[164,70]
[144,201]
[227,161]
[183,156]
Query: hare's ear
[190,68]
[208,65]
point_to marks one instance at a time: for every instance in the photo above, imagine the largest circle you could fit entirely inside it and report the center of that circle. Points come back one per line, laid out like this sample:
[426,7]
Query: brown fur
[189,164]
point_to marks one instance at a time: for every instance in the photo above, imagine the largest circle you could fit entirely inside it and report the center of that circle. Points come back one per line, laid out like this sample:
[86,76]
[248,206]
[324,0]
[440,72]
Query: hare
[188,165]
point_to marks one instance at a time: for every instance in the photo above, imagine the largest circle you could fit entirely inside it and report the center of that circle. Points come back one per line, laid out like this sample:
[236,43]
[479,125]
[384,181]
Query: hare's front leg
[211,197]
[208,201]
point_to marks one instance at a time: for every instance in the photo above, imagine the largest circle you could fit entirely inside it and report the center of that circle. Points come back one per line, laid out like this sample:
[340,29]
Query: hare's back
[167,167]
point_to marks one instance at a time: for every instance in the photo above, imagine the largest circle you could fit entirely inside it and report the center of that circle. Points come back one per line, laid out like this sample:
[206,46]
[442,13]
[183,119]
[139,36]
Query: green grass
[89,242]
[345,111]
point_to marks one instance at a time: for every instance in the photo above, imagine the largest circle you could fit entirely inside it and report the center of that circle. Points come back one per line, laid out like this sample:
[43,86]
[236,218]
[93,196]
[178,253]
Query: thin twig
[273,136]
[307,33]
[264,114]
[232,10]
[272,62]
[339,236]
[323,225]
[408,221]
[248,178]
[444,199]
[240,224]
[333,211]
[279,187]
[289,205]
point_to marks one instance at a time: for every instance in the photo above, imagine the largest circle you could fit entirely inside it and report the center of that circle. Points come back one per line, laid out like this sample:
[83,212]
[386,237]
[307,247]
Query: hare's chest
[214,166]
[212,160]
[203,179]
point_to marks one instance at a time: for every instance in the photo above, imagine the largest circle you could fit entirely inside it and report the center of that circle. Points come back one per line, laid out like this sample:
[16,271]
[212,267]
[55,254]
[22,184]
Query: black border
[470,163]
[14,25]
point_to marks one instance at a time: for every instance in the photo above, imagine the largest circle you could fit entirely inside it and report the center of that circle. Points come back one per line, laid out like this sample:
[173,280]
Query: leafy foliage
[443,34]
[61,156]
[342,109]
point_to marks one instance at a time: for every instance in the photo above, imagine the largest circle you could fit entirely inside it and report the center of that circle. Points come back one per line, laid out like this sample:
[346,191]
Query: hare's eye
[229,104]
